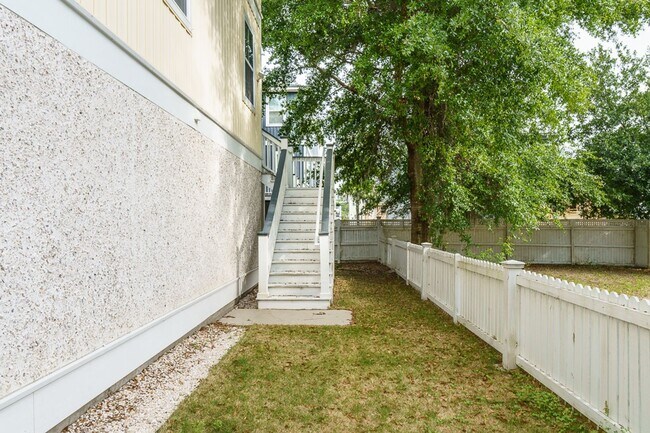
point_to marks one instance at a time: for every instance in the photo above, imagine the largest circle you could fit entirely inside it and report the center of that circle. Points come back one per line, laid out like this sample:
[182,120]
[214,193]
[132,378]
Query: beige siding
[206,61]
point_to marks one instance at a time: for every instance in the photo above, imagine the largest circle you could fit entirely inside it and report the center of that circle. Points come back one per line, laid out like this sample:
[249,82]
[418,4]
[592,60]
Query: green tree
[452,108]
[614,135]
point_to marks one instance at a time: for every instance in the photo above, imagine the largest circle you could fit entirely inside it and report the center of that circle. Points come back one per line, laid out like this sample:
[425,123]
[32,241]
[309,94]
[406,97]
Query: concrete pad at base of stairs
[288,317]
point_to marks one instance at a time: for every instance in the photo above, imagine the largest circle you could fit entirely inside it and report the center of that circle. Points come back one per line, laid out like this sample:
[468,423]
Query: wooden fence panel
[399,257]
[358,242]
[414,263]
[605,242]
[642,244]
[590,347]
[483,303]
[549,244]
[586,345]
[383,245]
[440,285]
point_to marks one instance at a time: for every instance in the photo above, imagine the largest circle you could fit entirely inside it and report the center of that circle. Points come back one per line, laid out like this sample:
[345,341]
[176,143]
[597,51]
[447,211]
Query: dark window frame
[249,64]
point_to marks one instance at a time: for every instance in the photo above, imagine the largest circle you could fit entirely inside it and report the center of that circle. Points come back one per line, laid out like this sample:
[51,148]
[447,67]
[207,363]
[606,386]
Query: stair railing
[306,171]
[268,235]
[271,154]
[272,146]
[320,196]
[326,233]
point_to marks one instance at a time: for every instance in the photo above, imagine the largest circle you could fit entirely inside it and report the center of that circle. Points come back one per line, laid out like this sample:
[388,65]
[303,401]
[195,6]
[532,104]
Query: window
[182,5]
[275,112]
[249,64]
[181,8]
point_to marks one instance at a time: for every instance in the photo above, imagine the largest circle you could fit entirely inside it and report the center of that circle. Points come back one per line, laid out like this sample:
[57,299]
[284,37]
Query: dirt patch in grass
[403,366]
[630,281]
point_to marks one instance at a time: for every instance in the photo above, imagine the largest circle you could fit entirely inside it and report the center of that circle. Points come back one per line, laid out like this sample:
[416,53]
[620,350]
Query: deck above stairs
[296,247]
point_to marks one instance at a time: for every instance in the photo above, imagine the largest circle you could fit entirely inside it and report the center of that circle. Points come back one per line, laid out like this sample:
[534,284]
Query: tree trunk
[419,223]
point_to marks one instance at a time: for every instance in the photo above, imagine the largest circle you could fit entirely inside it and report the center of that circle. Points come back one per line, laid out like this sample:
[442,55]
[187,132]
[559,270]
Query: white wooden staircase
[296,245]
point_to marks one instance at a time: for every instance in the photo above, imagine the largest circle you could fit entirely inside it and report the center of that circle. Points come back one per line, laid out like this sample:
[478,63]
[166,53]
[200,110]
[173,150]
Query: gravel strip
[248,302]
[144,403]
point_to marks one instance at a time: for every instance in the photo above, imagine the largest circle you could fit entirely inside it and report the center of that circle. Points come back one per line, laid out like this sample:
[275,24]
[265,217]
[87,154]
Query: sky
[640,43]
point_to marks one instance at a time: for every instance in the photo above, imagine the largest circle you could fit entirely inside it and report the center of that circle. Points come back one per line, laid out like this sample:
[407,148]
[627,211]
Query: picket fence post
[389,253]
[647,245]
[379,236]
[408,263]
[456,287]
[511,268]
[337,247]
[426,246]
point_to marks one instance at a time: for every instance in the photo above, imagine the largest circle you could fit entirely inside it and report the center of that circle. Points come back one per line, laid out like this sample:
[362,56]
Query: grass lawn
[403,366]
[631,281]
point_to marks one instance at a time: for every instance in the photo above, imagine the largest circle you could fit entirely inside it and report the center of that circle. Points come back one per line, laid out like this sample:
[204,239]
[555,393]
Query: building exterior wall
[115,214]
[275,130]
[206,62]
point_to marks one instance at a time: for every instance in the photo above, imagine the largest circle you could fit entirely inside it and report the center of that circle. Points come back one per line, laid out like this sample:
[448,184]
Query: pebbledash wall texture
[113,213]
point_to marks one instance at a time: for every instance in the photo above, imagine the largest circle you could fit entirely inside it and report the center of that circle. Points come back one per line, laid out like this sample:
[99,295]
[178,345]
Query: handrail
[268,221]
[271,137]
[271,148]
[320,193]
[327,193]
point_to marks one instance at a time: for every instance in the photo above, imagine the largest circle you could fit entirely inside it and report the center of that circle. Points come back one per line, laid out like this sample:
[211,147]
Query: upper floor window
[182,5]
[249,64]
[275,112]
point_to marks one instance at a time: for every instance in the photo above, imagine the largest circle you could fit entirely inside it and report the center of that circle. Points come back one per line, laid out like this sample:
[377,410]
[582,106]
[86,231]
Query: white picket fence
[605,242]
[590,347]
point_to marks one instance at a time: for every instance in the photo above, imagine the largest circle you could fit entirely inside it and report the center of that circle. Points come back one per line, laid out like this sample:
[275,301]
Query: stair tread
[297,222]
[293,285]
[294,262]
[293,229]
[294,273]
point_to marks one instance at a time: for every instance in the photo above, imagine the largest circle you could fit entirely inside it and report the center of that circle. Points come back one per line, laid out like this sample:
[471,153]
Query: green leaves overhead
[454,109]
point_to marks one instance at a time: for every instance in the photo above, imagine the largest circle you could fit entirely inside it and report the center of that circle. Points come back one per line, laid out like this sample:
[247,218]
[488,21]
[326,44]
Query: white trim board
[44,404]
[256,11]
[74,27]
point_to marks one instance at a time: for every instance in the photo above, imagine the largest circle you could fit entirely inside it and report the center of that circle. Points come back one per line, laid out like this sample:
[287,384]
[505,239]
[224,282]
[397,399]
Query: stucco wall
[113,213]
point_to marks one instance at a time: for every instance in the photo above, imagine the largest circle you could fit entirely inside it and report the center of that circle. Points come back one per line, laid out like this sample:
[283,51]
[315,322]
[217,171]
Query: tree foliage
[614,135]
[452,109]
